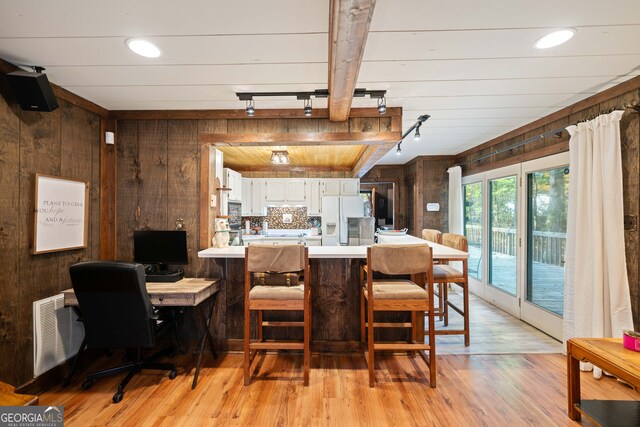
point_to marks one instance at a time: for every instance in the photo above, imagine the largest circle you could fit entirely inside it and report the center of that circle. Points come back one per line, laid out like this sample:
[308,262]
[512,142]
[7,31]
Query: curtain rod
[557,132]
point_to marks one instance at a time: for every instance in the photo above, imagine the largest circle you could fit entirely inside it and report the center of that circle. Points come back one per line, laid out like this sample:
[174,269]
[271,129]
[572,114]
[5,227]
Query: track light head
[308,109]
[398,150]
[382,105]
[416,136]
[250,110]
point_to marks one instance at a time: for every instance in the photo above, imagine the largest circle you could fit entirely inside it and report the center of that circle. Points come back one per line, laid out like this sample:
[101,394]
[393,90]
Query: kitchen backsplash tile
[287,217]
[308,222]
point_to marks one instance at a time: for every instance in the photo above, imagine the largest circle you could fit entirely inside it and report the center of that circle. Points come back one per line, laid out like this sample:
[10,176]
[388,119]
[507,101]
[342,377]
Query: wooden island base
[335,307]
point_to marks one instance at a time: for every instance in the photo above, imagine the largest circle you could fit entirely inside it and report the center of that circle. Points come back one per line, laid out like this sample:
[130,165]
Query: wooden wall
[158,179]
[65,142]
[627,93]
[426,181]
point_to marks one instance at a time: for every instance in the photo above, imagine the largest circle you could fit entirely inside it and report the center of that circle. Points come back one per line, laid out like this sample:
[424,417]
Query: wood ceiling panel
[78,18]
[446,15]
[312,157]
[481,43]
[240,49]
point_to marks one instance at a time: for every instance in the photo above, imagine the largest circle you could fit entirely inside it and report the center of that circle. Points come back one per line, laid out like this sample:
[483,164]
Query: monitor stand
[162,274]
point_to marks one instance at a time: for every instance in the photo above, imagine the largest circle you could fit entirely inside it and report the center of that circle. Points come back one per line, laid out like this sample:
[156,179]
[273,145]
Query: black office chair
[117,313]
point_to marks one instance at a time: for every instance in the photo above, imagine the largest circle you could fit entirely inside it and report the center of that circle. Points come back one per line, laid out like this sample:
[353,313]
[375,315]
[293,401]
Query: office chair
[117,313]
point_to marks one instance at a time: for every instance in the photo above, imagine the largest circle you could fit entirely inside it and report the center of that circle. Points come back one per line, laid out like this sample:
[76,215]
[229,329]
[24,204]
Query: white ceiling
[469,64]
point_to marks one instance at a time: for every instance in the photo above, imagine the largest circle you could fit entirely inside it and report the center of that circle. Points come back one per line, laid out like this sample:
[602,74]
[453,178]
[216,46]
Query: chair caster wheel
[117,398]
[87,384]
[172,374]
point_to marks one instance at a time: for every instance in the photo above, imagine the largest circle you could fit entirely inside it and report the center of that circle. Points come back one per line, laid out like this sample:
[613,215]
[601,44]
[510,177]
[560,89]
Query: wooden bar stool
[447,274]
[398,295]
[435,236]
[274,271]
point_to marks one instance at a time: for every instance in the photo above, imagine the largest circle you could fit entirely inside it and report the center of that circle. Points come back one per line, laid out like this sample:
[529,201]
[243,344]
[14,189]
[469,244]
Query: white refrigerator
[335,211]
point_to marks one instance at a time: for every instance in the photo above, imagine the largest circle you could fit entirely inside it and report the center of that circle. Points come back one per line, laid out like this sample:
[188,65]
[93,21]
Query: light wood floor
[492,332]
[472,390]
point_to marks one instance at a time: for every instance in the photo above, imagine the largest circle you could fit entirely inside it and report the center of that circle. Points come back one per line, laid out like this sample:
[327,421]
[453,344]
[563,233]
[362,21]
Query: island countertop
[335,252]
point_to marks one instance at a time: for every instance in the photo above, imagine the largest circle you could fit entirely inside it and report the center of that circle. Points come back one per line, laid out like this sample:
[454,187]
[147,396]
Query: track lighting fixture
[416,127]
[382,105]
[308,109]
[251,110]
[318,93]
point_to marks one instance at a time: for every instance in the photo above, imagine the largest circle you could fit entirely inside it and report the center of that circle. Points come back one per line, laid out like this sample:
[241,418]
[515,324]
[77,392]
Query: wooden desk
[609,355]
[189,292]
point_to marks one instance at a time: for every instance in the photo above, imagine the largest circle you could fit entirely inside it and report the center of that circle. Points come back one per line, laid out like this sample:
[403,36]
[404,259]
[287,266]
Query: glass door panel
[503,197]
[547,204]
[473,227]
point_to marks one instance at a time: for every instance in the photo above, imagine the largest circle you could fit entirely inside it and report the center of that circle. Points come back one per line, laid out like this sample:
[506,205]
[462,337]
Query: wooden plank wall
[65,142]
[618,97]
[424,180]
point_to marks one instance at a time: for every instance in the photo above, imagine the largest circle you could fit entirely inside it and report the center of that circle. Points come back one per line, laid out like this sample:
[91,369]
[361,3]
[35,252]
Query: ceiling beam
[300,139]
[348,29]
[370,157]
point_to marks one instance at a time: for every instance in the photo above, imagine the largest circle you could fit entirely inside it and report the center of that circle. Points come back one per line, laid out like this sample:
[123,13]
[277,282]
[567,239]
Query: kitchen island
[335,295]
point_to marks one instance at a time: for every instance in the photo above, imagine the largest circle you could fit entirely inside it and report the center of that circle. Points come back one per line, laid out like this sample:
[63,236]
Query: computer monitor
[159,249]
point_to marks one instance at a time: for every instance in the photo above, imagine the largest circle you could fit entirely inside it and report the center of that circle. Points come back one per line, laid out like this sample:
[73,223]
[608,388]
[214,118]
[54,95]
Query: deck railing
[547,247]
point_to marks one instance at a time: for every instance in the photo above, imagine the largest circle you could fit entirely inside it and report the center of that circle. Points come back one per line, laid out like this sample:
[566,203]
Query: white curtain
[455,200]
[596,298]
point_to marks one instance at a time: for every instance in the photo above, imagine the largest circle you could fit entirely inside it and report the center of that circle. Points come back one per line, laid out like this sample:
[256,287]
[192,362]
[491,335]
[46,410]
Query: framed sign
[61,214]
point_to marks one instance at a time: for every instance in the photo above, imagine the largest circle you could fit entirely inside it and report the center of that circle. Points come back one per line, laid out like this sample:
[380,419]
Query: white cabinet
[233,180]
[275,190]
[313,197]
[341,187]
[331,187]
[349,187]
[246,196]
[258,201]
[294,191]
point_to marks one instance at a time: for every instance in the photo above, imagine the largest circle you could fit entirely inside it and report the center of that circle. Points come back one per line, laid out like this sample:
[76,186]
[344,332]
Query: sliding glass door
[515,221]
[547,182]
[502,244]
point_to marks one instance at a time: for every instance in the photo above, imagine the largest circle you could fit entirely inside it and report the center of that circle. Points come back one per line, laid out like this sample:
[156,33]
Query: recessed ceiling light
[554,39]
[144,48]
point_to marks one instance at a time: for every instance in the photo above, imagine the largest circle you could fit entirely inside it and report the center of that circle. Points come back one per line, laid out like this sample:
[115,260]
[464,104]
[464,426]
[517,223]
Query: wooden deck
[548,287]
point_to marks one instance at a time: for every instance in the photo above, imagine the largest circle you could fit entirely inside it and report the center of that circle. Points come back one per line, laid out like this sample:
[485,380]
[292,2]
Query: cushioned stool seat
[397,289]
[446,272]
[277,292]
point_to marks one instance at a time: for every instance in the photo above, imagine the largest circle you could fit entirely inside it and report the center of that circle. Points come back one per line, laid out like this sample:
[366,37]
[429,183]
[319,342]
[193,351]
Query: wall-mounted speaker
[33,91]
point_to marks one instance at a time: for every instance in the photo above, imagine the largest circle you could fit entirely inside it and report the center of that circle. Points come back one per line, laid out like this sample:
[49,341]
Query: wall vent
[57,334]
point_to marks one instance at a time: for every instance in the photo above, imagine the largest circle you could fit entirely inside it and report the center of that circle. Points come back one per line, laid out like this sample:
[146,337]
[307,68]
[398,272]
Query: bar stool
[435,236]
[444,273]
[274,271]
[398,295]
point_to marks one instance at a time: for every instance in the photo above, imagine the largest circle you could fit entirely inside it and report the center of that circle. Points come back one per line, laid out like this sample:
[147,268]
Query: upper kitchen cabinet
[349,187]
[295,190]
[313,196]
[341,187]
[275,190]
[258,201]
[247,193]
[233,181]
[331,187]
